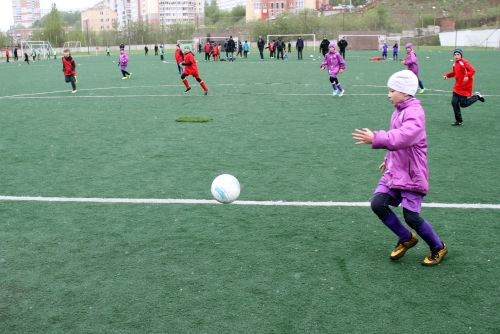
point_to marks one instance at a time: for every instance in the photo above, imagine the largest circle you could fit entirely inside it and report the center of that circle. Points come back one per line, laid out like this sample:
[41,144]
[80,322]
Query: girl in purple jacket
[405,173]
[123,62]
[411,62]
[336,65]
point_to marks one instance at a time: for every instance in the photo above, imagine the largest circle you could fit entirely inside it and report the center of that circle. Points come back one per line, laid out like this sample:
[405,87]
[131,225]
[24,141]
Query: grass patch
[193,119]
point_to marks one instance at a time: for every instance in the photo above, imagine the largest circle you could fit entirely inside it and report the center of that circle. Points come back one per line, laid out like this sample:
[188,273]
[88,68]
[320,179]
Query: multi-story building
[230,4]
[25,12]
[98,18]
[163,12]
[269,9]
[122,8]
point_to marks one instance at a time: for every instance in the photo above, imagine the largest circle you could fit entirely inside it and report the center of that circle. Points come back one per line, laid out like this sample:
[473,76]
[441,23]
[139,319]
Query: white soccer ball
[311,56]
[225,188]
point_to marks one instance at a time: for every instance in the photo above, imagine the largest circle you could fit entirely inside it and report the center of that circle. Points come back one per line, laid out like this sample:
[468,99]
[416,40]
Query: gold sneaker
[435,256]
[402,247]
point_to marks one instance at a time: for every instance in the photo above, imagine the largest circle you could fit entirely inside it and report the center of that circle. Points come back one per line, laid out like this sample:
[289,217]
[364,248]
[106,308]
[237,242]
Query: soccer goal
[309,40]
[367,42]
[42,47]
[72,46]
[183,42]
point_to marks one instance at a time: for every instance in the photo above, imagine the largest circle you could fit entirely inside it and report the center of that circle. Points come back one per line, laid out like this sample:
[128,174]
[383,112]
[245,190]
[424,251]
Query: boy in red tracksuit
[69,70]
[463,73]
[179,58]
[190,68]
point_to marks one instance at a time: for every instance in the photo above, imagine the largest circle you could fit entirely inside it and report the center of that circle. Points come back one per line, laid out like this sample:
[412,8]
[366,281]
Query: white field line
[43,95]
[207,201]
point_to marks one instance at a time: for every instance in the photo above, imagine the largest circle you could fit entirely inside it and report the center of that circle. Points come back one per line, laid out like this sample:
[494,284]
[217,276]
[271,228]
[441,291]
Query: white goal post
[44,46]
[191,42]
[305,37]
[72,45]
[373,41]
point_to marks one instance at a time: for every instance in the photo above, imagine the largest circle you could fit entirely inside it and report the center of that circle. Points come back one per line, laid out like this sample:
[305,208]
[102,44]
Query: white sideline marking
[211,201]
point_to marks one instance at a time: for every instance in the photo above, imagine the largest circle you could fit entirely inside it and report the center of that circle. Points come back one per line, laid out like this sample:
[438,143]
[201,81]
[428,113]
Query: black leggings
[332,80]
[380,205]
[125,73]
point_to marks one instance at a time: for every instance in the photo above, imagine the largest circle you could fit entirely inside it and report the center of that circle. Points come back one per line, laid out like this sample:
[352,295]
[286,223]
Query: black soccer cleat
[187,90]
[457,124]
[206,92]
[480,96]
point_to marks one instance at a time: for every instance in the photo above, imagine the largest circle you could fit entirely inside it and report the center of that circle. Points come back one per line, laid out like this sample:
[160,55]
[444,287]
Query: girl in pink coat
[335,63]
[405,173]
[123,62]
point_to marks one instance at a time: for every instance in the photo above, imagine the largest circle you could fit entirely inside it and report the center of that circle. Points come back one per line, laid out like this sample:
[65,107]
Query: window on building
[102,20]
[272,5]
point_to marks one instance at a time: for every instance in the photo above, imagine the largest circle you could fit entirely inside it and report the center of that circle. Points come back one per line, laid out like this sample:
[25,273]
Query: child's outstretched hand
[322,68]
[382,167]
[364,136]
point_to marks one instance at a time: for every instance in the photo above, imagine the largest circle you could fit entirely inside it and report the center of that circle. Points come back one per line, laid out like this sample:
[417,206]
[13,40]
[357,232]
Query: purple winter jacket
[406,142]
[411,62]
[123,61]
[334,62]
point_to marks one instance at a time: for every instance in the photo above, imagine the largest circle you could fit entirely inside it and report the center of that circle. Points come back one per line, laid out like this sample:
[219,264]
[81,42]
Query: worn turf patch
[193,119]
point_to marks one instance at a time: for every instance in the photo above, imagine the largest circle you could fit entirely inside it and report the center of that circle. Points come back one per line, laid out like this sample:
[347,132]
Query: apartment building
[25,12]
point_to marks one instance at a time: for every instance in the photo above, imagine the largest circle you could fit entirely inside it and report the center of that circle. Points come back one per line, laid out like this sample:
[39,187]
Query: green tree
[53,29]
[212,13]
[382,17]
[238,12]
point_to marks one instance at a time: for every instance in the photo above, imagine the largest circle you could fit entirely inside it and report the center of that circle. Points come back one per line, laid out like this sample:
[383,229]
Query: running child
[123,63]
[69,70]
[411,62]
[179,58]
[464,80]
[190,68]
[26,58]
[336,65]
[405,173]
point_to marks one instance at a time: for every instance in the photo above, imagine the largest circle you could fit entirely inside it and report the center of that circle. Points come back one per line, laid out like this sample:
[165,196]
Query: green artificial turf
[209,268]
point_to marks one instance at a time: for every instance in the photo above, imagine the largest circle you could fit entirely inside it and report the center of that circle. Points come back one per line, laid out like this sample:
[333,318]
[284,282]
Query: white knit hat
[404,81]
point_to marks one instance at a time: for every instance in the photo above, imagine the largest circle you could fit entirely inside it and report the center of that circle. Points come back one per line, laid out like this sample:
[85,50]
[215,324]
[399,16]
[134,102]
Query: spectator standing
[342,44]
[230,49]
[260,45]
[299,45]
[279,46]
[323,47]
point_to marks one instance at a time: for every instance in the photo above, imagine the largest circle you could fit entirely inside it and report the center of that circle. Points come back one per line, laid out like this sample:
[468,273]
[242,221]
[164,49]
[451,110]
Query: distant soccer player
[336,65]
[411,62]
[384,51]
[190,68]
[464,80]
[179,58]
[69,70]
[123,63]
[395,48]
[26,57]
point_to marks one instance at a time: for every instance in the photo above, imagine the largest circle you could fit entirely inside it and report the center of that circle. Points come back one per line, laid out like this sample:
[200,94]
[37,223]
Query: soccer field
[107,223]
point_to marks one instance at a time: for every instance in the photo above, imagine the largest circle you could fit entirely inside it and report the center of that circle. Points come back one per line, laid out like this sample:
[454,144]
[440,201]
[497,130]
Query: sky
[6,19]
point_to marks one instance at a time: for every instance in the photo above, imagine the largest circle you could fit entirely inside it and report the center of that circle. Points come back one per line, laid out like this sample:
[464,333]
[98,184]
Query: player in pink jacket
[405,172]
[333,60]
[123,63]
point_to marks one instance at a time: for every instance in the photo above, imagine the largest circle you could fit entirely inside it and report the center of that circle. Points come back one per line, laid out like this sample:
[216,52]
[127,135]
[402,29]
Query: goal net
[368,42]
[183,42]
[41,48]
[72,46]
[309,40]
